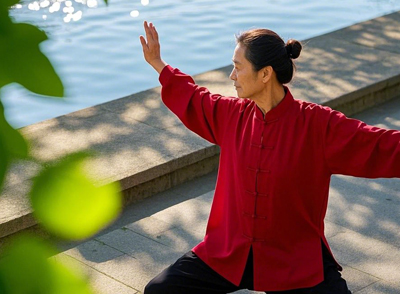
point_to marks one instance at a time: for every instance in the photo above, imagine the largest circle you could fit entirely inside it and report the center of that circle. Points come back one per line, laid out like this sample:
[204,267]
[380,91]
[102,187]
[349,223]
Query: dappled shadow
[379,288]
[381,33]
[218,81]
[348,60]
[369,207]
[128,135]
[141,210]
[150,234]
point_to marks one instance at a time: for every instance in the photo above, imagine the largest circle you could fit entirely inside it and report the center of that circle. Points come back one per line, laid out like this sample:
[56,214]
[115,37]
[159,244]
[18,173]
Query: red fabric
[273,179]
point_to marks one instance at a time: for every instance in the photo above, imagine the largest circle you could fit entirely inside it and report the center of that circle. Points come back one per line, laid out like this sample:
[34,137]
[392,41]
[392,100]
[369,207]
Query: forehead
[239,54]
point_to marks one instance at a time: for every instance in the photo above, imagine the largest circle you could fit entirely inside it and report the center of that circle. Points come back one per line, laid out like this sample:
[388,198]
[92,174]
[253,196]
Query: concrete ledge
[27,223]
[367,97]
[139,143]
[172,179]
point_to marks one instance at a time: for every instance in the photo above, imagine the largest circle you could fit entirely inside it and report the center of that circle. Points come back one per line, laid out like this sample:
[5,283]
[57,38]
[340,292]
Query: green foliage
[3,289]
[65,200]
[9,3]
[5,21]
[21,61]
[12,145]
[68,204]
[27,269]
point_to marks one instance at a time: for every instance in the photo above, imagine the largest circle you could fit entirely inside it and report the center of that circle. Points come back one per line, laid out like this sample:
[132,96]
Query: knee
[153,287]
[149,289]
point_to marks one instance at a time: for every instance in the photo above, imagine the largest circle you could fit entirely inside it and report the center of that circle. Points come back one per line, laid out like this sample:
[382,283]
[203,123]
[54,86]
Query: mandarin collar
[278,110]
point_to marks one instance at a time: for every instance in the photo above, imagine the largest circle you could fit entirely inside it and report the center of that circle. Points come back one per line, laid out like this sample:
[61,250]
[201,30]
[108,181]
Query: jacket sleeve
[357,149]
[198,109]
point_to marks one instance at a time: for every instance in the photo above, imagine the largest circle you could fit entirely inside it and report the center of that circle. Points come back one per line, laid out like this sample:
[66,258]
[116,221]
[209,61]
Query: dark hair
[264,47]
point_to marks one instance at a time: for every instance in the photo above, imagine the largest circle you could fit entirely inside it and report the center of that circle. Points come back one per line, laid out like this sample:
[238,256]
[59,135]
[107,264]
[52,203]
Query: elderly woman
[266,226]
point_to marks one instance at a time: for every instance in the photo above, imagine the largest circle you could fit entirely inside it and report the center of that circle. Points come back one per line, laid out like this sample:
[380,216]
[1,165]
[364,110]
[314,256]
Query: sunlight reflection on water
[95,48]
[46,6]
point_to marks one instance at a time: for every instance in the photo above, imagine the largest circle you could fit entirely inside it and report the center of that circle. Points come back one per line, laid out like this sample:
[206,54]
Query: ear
[266,73]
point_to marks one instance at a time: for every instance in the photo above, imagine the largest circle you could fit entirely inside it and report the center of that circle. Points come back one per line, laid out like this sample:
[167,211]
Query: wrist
[159,65]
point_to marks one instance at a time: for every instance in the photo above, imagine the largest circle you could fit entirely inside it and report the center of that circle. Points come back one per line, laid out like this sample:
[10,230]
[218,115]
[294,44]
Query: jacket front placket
[255,214]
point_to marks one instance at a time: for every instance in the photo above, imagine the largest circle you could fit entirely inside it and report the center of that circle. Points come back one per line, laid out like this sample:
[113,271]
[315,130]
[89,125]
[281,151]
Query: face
[248,83]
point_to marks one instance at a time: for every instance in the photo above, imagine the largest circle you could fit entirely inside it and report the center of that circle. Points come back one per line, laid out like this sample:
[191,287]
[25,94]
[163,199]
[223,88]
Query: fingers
[151,47]
[143,42]
[147,31]
[154,32]
[151,32]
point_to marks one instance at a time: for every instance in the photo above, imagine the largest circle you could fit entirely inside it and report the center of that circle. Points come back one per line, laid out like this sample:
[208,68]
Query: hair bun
[293,48]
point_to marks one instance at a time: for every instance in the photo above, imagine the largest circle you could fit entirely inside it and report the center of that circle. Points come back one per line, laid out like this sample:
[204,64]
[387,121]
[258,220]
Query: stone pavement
[362,226]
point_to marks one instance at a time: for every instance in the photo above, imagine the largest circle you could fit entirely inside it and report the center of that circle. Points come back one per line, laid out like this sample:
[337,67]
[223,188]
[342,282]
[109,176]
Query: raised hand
[151,47]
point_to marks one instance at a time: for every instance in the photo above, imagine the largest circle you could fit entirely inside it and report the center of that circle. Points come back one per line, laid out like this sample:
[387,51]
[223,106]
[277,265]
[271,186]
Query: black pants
[190,275]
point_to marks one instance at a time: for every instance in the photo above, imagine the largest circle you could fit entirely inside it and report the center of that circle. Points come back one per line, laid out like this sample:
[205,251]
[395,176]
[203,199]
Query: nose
[232,76]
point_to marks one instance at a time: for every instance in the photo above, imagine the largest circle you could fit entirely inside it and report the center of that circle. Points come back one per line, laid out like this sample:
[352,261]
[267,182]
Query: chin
[238,94]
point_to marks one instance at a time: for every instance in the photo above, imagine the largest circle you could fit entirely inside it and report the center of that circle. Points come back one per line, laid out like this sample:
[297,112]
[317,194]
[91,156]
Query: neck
[270,97]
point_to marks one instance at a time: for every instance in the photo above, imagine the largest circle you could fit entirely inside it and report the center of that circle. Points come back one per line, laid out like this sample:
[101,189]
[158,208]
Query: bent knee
[154,287]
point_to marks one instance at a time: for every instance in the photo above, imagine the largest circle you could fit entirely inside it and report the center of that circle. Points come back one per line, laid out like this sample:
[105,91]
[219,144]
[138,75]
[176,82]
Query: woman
[266,226]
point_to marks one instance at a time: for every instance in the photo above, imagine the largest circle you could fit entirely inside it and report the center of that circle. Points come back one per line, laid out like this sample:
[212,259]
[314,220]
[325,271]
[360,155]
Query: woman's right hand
[151,47]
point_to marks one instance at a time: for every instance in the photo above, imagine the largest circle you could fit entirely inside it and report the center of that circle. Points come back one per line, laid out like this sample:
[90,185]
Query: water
[97,53]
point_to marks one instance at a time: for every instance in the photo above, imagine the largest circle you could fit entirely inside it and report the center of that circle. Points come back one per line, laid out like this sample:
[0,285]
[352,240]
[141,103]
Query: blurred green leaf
[25,268]
[68,281]
[21,61]
[5,21]
[3,289]
[67,202]
[8,3]
[12,145]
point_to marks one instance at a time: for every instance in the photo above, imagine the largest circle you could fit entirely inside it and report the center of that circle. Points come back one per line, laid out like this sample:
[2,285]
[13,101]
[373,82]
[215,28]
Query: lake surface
[96,50]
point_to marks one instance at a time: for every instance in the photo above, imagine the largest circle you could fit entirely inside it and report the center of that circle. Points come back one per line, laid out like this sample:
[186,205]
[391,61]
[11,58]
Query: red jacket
[273,179]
